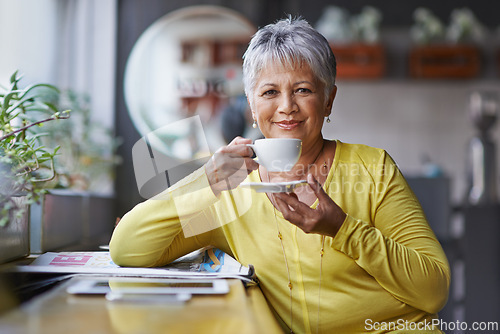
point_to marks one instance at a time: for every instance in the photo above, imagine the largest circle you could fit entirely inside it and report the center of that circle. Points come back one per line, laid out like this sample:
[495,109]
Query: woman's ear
[329,103]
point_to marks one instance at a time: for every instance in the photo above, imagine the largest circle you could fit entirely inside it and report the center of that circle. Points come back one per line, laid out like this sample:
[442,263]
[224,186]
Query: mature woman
[350,252]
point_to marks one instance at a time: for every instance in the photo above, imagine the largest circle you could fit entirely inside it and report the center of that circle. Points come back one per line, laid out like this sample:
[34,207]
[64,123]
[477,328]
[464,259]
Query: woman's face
[290,103]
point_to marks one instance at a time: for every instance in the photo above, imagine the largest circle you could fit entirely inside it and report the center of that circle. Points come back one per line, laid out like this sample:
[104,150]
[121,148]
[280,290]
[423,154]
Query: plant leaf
[13,77]
[28,89]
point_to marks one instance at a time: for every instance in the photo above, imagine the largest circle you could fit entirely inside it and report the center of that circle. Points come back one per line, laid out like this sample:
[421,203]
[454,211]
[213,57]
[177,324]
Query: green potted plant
[445,52]
[78,209]
[355,41]
[25,163]
[88,147]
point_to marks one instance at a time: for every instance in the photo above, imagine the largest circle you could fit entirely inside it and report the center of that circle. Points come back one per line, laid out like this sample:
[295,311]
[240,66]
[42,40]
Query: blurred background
[419,78]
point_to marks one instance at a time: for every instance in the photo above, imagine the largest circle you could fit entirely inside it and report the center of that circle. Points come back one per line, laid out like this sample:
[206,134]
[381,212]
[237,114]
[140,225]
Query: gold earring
[254,125]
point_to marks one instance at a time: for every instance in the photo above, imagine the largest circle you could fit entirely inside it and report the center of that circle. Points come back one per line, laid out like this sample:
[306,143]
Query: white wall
[28,34]
[69,43]
[410,119]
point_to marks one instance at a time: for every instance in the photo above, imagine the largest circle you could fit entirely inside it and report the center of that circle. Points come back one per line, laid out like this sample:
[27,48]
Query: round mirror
[184,70]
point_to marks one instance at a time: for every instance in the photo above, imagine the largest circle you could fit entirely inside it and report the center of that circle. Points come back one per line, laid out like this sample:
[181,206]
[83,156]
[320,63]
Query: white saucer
[266,187]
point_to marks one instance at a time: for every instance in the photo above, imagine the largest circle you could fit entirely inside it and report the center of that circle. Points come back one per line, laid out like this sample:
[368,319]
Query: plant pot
[56,221]
[99,220]
[65,219]
[445,61]
[14,237]
[360,61]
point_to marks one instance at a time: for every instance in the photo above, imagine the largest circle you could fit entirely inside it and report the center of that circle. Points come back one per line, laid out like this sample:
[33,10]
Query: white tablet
[178,298]
[141,285]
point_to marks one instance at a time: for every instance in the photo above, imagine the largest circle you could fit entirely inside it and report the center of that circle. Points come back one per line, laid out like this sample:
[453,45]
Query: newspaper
[203,263]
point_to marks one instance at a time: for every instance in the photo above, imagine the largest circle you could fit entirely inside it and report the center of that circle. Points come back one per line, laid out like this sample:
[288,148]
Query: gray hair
[290,42]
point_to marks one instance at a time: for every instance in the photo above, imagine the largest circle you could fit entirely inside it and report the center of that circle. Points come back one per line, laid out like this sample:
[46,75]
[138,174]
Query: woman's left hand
[325,219]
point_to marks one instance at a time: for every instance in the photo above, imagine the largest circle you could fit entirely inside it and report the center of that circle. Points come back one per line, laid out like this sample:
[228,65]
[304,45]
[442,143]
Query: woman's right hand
[230,165]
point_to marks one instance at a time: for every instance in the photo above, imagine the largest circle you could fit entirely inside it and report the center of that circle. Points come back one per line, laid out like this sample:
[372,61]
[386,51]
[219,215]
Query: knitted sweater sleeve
[397,247]
[172,224]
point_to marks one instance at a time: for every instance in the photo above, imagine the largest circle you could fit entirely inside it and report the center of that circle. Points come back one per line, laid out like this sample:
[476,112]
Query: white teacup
[277,154]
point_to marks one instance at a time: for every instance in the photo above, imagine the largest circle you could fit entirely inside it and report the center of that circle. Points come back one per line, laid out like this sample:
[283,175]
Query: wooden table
[242,310]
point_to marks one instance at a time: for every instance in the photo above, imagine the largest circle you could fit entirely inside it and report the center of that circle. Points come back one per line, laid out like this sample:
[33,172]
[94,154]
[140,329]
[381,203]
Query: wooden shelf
[360,61]
[445,61]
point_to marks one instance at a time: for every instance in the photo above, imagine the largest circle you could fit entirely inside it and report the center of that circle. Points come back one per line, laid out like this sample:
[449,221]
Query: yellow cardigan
[383,271]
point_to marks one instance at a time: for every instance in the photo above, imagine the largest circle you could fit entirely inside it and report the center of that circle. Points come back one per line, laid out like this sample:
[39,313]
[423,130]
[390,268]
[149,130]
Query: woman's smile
[288,124]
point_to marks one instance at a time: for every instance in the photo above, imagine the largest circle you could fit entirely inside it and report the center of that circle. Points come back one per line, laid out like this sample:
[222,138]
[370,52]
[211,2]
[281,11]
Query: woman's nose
[287,104]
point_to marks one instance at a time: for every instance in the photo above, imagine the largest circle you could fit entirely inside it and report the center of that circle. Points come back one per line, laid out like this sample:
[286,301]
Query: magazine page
[207,262]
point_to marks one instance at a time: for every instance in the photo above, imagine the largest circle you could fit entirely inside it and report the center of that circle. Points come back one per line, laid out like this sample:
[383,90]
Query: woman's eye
[270,92]
[303,90]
